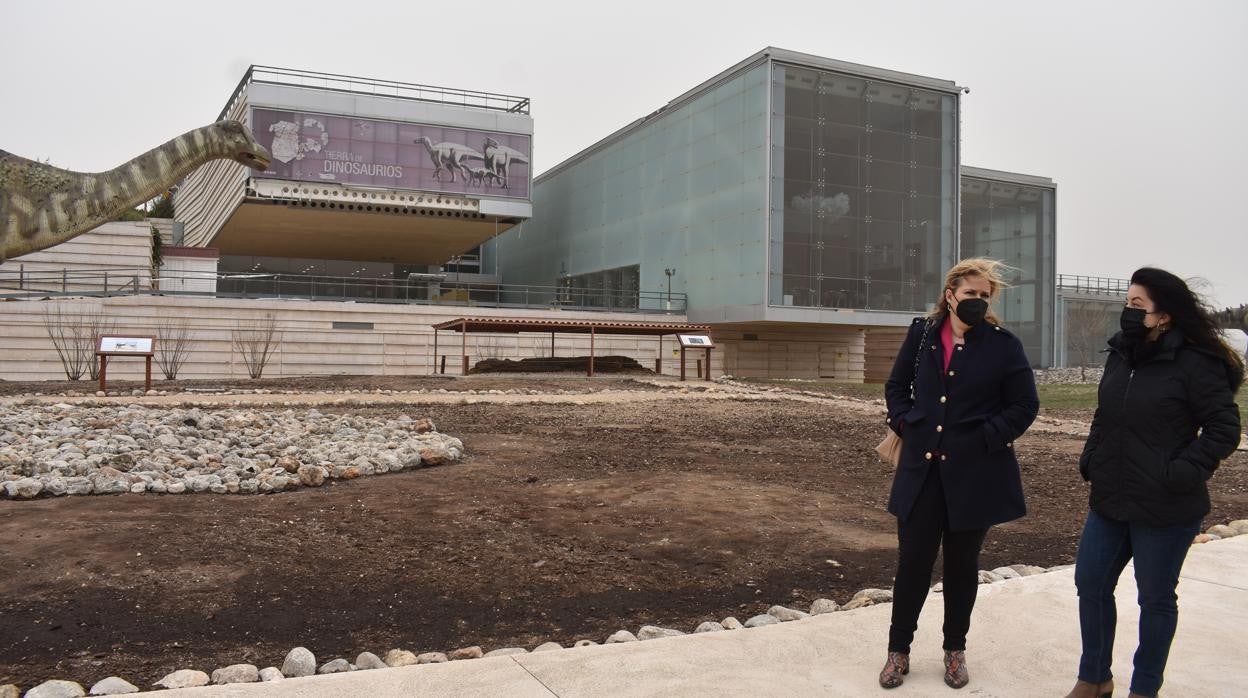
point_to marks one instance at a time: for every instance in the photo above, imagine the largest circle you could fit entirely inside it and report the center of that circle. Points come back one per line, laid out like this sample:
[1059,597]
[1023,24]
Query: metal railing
[22,284]
[1092,284]
[371,86]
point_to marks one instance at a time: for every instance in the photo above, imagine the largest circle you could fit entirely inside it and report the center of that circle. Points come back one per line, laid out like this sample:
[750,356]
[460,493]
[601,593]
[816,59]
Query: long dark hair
[1191,315]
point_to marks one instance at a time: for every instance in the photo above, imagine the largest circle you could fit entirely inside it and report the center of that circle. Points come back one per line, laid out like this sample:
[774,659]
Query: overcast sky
[1138,110]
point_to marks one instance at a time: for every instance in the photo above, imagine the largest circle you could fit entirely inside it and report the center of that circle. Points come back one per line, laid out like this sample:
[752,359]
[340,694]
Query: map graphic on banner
[321,148]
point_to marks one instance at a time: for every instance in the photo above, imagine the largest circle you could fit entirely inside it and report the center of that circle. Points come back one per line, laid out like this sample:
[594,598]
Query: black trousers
[919,539]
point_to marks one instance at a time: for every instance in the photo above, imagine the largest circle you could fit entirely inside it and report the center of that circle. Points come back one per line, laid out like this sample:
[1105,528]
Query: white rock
[299,662]
[1221,531]
[1239,526]
[236,673]
[858,602]
[548,647]
[651,632]
[986,577]
[761,620]
[334,666]
[504,651]
[876,595]
[731,623]
[78,486]
[25,488]
[1006,573]
[709,626]
[787,614]
[584,643]
[398,657]
[621,636]
[271,673]
[1027,570]
[112,686]
[312,475]
[184,678]
[431,658]
[821,606]
[56,689]
[472,652]
[368,660]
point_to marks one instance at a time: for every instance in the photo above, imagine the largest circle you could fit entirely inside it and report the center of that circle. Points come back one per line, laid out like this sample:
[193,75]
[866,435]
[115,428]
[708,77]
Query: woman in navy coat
[973,395]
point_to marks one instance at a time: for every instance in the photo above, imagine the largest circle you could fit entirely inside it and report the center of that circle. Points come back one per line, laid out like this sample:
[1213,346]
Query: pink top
[946,340]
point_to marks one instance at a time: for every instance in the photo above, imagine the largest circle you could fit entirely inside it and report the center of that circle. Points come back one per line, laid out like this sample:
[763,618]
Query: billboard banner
[343,150]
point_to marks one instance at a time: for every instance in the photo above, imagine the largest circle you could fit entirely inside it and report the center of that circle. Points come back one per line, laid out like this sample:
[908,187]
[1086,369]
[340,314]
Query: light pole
[670,273]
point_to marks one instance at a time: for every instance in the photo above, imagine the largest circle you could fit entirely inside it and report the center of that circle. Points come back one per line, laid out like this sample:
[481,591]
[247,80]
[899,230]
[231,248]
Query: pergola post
[463,345]
[434,368]
[708,363]
[591,351]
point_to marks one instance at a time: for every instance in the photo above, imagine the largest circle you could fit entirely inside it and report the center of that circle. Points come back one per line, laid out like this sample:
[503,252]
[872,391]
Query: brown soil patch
[565,521]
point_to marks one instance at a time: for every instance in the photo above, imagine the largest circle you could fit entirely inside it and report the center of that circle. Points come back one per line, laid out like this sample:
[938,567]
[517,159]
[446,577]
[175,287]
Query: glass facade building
[807,207]
[863,191]
[684,189]
[1011,217]
[788,189]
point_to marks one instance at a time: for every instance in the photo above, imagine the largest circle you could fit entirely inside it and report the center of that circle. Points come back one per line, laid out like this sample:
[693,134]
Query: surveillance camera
[966,90]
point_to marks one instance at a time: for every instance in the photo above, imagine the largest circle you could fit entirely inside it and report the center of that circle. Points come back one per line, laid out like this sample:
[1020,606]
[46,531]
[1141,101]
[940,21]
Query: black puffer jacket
[1162,424]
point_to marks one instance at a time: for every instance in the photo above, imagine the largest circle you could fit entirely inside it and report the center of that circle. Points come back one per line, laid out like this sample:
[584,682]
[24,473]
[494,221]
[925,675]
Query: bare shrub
[173,345]
[74,337]
[1087,327]
[255,341]
[95,326]
[66,330]
[490,348]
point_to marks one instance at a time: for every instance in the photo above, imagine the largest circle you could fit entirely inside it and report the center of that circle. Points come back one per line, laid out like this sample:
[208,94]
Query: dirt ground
[564,522]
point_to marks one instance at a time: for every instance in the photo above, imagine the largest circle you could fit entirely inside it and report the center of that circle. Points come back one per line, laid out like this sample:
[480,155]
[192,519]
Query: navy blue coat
[963,421]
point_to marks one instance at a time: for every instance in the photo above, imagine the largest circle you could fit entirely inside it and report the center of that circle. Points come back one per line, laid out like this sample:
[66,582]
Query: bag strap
[927,325]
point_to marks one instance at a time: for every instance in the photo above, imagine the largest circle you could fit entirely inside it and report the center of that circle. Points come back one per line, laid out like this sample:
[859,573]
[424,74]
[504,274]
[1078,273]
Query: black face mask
[972,311]
[1132,323]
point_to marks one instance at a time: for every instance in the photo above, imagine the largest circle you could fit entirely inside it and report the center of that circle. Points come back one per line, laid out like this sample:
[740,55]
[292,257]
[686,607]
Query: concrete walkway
[1024,642]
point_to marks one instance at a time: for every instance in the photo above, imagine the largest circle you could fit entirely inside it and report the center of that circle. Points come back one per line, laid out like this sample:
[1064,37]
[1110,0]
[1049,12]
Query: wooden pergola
[593,328]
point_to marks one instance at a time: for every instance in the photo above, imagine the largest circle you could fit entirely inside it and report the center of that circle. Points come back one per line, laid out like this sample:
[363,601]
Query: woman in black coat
[973,395]
[1165,416]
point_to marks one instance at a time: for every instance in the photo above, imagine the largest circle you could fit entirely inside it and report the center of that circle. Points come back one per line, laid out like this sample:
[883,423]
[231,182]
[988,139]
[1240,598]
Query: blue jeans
[1104,549]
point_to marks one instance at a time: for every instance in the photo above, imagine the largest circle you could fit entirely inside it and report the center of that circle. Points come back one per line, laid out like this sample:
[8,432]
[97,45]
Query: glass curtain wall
[863,192]
[616,289]
[1015,224]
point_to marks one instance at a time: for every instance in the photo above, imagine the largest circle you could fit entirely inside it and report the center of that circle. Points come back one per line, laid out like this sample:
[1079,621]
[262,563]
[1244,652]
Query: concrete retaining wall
[393,339]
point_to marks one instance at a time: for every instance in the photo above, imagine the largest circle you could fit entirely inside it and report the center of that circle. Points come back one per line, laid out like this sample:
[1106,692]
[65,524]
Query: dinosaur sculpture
[42,206]
[449,157]
[498,159]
